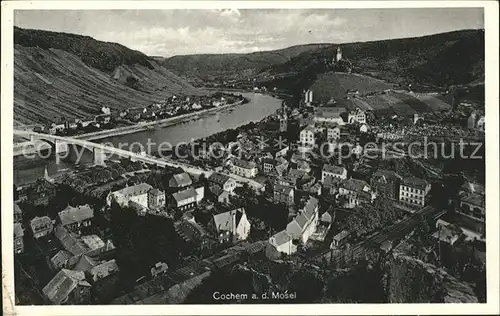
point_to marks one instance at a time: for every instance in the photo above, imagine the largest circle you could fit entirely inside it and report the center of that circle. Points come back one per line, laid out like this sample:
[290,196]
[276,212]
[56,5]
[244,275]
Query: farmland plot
[413,102]
[435,103]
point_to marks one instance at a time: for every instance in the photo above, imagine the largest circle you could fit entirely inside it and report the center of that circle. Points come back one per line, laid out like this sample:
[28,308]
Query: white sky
[177,32]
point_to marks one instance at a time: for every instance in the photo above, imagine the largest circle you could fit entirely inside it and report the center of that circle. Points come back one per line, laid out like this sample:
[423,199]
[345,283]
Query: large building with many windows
[414,191]
[307,137]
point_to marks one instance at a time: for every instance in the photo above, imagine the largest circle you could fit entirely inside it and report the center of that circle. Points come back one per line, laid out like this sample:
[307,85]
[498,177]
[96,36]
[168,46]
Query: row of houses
[83,264]
[299,229]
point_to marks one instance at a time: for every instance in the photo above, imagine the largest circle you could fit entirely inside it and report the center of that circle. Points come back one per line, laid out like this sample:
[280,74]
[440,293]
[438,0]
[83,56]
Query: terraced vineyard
[50,83]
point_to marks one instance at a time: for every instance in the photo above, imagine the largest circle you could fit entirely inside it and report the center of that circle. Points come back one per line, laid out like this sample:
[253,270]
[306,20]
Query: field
[401,103]
[335,85]
[433,101]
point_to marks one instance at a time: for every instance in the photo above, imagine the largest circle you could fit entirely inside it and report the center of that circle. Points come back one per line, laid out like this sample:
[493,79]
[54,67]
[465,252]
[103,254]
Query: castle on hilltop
[337,56]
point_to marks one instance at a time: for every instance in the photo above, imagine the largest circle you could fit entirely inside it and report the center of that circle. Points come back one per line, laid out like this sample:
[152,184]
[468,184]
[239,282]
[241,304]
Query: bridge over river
[100,153]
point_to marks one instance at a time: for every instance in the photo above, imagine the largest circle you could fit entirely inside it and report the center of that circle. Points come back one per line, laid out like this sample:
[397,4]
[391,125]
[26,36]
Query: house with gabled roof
[283,242]
[180,181]
[18,238]
[304,224]
[225,182]
[75,218]
[232,225]
[68,288]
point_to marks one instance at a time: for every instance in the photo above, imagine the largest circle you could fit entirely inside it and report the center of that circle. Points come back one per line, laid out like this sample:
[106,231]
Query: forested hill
[60,74]
[441,59]
[209,65]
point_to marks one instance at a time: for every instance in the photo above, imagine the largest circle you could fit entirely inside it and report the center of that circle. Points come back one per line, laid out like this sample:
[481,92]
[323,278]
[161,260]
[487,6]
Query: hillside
[442,60]
[205,66]
[59,74]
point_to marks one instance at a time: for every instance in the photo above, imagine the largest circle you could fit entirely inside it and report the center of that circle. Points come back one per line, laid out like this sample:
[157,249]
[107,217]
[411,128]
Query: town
[310,180]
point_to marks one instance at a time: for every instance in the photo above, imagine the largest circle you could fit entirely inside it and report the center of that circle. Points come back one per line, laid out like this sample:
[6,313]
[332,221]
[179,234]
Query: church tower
[283,118]
[339,54]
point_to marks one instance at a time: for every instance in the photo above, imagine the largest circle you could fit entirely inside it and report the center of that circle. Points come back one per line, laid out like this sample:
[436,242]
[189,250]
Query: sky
[179,32]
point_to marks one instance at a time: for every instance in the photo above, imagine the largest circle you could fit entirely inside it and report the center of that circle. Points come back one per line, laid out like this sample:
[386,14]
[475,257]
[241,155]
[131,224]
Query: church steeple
[46,176]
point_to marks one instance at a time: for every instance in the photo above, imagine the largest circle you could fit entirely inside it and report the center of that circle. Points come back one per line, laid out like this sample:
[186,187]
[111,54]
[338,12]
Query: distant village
[166,109]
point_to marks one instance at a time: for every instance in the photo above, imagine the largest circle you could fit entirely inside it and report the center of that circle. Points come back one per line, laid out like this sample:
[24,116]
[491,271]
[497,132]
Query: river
[259,106]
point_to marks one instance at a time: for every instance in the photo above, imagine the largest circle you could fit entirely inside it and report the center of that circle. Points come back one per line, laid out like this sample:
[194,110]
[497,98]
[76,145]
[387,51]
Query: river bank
[156,124]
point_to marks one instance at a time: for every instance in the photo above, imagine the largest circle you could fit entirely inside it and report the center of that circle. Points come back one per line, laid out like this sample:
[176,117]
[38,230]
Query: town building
[339,239]
[156,199]
[472,206]
[76,218]
[68,288]
[192,233]
[137,193]
[218,194]
[18,238]
[448,233]
[104,280]
[41,192]
[18,213]
[330,115]
[386,183]
[283,194]
[332,171]
[225,182]
[304,224]
[180,181]
[283,242]
[308,97]
[244,168]
[231,226]
[268,166]
[414,191]
[355,192]
[306,139]
[283,117]
[41,226]
[184,199]
[160,268]
[332,132]
[357,116]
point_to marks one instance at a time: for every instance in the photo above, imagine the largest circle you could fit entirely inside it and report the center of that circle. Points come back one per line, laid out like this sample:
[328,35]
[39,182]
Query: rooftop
[244,163]
[224,221]
[77,214]
[282,237]
[218,178]
[180,180]
[135,190]
[343,234]
[184,194]
[475,199]
[415,182]
[354,185]
[103,270]
[334,169]
[59,288]
[40,221]
[283,189]
[18,230]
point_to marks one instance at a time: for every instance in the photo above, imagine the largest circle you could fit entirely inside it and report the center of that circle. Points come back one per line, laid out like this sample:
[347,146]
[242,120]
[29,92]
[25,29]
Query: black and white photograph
[229,154]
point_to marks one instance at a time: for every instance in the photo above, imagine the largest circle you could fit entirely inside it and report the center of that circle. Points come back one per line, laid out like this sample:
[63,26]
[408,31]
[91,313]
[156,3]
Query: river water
[258,107]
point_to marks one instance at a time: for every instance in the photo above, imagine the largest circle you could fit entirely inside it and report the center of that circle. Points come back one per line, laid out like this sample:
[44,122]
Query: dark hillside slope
[441,59]
[65,75]
[207,65]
